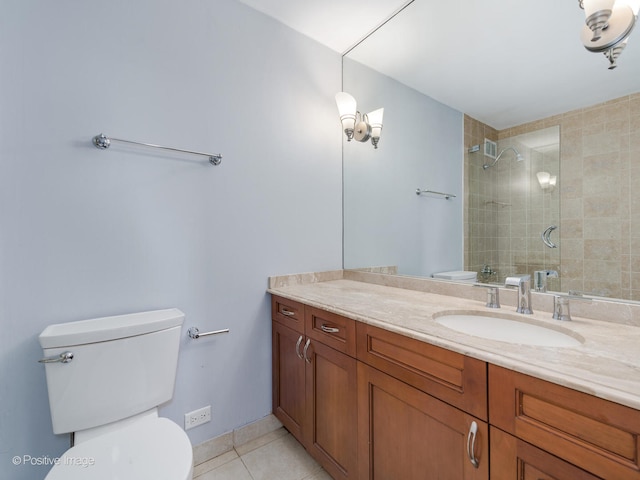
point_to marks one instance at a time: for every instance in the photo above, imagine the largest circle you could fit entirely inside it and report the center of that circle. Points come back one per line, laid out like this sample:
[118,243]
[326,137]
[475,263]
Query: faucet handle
[493,297]
[561,309]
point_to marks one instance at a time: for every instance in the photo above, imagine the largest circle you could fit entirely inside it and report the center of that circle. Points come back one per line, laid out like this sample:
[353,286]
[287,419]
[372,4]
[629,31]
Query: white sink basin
[507,330]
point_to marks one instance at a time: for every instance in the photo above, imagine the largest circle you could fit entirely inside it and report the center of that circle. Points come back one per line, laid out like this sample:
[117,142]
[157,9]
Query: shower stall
[511,205]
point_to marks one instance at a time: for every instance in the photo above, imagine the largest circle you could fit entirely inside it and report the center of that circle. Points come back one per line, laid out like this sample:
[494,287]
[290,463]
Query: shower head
[519,157]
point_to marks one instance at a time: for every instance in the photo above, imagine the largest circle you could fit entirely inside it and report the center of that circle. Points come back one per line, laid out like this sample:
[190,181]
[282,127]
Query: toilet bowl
[151,447]
[106,378]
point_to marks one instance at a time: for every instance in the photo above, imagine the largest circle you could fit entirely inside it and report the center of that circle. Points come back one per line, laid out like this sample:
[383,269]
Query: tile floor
[274,456]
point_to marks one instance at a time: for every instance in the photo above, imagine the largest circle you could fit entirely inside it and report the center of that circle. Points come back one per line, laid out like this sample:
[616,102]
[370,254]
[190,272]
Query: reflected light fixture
[360,127]
[608,25]
[546,180]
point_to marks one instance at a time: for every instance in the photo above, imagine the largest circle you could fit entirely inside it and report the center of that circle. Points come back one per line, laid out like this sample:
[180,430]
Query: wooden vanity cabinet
[408,434]
[314,383]
[370,404]
[513,459]
[452,377]
[288,313]
[548,422]
[288,390]
[408,425]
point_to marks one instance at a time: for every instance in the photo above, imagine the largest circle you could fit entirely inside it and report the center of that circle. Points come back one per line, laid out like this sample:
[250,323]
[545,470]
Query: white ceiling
[338,24]
[503,62]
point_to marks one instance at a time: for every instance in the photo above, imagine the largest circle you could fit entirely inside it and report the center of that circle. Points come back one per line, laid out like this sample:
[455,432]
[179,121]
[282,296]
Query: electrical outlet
[197,417]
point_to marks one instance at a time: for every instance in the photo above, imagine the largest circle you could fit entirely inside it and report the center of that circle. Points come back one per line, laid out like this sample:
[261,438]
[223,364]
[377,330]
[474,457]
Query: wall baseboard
[228,441]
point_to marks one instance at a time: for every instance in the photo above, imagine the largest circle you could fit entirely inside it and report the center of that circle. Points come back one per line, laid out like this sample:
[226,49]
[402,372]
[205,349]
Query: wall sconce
[546,181]
[360,127]
[608,25]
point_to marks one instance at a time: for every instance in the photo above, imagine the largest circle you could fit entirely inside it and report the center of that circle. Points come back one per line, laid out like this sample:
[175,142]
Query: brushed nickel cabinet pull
[471,444]
[287,313]
[304,352]
[327,329]
[298,347]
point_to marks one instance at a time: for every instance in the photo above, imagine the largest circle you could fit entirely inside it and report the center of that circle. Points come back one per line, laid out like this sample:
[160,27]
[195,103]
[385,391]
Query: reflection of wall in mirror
[385,222]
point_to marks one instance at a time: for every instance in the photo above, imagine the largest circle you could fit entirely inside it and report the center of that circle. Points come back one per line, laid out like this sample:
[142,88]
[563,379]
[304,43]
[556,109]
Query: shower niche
[512,199]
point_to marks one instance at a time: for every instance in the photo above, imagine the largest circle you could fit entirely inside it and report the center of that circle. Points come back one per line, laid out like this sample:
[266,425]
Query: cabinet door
[597,435]
[403,433]
[288,378]
[513,459]
[331,431]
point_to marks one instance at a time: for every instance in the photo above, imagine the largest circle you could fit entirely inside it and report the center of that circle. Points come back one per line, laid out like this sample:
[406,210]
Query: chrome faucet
[540,279]
[523,284]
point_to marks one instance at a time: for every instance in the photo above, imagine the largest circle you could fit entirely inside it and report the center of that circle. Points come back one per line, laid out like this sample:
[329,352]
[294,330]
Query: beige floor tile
[213,448]
[256,429]
[282,459]
[321,475]
[214,463]
[233,470]
[261,441]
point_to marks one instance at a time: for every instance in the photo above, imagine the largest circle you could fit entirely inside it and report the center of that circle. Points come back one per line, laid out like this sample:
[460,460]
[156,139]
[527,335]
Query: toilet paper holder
[194,333]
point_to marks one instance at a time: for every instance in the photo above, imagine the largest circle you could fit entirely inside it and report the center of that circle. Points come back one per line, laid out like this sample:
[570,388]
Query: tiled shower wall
[480,223]
[508,210]
[599,194]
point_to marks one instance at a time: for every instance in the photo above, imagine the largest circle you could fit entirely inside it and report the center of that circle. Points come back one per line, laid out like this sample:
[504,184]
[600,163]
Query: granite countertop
[606,364]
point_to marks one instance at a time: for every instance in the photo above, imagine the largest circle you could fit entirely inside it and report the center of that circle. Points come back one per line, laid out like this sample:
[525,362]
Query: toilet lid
[151,448]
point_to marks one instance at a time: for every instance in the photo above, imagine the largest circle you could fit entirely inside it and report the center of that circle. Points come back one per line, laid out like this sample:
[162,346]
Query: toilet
[106,378]
[457,276]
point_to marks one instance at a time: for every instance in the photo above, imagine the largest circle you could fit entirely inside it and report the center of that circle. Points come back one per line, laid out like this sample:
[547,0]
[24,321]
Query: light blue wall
[421,146]
[87,233]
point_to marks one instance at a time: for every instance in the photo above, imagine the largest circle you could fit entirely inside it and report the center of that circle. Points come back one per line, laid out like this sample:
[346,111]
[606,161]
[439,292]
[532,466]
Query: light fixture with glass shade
[608,25]
[360,127]
[546,180]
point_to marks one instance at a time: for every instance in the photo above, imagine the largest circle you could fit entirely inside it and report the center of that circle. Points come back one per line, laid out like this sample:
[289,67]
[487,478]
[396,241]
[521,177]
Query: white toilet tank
[122,366]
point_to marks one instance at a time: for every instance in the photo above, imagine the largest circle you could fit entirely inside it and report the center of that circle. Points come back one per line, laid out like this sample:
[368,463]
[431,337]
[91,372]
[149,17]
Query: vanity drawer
[454,378]
[333,330]
[596,435]
[288,313]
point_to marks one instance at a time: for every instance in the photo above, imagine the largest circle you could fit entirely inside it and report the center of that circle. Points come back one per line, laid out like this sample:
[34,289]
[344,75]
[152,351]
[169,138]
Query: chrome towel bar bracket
[103,142]
[194,333]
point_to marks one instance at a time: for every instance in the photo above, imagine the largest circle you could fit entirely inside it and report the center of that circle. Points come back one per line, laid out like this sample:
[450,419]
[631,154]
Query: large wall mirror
[564,193]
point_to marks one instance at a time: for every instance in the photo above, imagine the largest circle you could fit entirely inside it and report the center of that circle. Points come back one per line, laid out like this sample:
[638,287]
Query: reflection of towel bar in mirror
[498,204]
[445,195]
